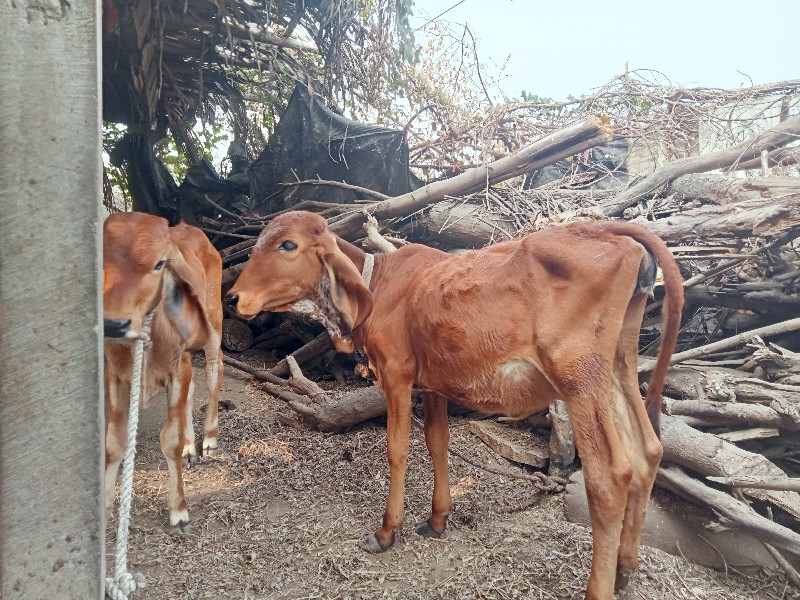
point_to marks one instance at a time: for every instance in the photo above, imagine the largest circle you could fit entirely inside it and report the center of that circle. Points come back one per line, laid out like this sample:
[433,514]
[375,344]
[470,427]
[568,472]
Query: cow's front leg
[437,438]
[398,426]
[118,402]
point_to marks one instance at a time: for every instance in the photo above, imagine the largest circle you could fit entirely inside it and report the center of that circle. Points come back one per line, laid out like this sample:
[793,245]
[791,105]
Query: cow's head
[142,265]
[297,266]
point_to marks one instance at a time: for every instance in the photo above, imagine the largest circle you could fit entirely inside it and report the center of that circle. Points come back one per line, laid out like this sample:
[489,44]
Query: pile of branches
[731,399]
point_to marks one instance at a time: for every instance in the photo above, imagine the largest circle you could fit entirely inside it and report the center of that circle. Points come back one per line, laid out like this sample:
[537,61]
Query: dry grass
[280,515]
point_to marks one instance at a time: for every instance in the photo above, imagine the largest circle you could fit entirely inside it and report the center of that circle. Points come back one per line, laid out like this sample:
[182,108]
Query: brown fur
[509,328]
[132,245]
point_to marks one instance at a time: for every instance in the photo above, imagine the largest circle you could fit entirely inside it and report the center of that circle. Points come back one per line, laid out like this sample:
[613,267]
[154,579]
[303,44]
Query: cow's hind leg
[585,383]
[189,446]
[214,368]
[638,438]
[437,438]
[173,439]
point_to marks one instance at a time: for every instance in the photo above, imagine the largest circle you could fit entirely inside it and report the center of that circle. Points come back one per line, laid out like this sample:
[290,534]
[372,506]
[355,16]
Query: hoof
[189,461]
[371,543]
[623,578]
[182,528]
[215,451]
[425,530]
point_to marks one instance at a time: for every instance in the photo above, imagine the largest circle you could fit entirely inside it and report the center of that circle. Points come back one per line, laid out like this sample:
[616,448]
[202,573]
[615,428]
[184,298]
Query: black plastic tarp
[311,141]
[606,161]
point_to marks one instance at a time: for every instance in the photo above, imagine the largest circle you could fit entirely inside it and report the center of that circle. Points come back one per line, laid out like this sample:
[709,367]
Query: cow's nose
[232,300]
[116,328]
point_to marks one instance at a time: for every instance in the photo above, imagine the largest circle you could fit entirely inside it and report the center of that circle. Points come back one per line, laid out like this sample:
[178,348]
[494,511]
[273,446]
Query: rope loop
[123,584]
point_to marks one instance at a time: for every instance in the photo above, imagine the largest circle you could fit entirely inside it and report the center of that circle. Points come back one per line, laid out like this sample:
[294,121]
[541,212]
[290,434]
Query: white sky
[573,47]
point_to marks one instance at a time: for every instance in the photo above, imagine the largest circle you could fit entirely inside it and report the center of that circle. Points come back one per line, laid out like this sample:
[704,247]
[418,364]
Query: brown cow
[508,328]
[176,272]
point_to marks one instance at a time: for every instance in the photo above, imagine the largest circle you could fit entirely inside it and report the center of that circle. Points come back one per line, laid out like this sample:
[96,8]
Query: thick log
[730,385]
[785,415]
[751,148]
[778,363]
[707,455]
[562,441]
[763,217]
[554,147]
[767,301]
[453,223]
[333,414]
[319,345]
[737,513]
[714,188]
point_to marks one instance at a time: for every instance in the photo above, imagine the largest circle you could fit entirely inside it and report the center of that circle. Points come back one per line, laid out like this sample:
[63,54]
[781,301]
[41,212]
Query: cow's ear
[184,299]
[349,295]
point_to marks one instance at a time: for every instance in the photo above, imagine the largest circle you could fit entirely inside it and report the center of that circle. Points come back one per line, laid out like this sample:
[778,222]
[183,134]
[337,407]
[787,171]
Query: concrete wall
[51,416]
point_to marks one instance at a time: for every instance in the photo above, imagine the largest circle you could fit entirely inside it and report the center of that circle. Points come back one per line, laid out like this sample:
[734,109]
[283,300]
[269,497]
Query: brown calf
[176,272]
[508,329]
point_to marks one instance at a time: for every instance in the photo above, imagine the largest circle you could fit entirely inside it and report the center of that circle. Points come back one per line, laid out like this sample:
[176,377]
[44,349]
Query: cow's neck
[357,255]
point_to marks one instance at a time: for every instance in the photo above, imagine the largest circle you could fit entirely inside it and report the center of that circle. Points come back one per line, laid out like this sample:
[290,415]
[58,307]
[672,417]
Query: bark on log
[750,149]
[784,415]
[737,513]
[332,414]
[788,484]
[554,147]
[707,454]
[320,344]
[716,383]
[764,217]
[453,223]
[714,188]
[562,441]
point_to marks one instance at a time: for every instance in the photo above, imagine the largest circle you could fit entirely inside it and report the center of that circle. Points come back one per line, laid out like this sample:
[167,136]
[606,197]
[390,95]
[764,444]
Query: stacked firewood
[732,398]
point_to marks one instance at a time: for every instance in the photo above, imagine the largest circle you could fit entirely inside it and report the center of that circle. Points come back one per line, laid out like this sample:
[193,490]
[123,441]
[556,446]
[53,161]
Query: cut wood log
[319,345]
[512,443]
[706,454]
[334,413]
[784,415]
[561,144]
[775,137]
[454,223]
[778,363]
[738,514]
[714,188]
[672,528]
[562,441]
[763,217]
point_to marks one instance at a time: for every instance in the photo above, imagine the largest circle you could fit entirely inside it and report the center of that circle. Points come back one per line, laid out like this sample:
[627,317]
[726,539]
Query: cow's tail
[672,309]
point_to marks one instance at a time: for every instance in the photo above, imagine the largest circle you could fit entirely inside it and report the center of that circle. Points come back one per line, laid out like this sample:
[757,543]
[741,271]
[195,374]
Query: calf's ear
[349,294]
[184,300]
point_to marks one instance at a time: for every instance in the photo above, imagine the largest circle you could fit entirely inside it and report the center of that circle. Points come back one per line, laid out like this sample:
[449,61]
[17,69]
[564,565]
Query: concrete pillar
[51,414]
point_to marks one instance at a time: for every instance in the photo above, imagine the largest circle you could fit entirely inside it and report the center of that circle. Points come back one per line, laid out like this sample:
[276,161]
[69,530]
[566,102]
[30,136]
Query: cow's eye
[159,265]
[288,246]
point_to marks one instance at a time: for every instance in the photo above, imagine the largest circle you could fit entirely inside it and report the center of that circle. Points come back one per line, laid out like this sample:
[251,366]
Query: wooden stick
[646,365]
[761,482]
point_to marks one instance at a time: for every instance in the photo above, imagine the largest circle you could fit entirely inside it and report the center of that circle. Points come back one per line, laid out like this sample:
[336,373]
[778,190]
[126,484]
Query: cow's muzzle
[116,328]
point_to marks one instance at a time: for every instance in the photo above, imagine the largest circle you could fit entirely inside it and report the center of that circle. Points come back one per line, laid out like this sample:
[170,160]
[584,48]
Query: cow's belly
[516,388]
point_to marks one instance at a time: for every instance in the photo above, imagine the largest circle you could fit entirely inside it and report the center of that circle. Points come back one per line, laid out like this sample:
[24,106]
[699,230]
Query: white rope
[124,583]
[366,272]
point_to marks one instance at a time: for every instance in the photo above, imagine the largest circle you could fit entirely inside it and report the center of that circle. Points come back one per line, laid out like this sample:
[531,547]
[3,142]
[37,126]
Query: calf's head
[141,267]
[297,266]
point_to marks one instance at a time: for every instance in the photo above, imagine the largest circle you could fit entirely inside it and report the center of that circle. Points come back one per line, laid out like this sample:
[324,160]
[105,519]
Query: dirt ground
[280,514]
